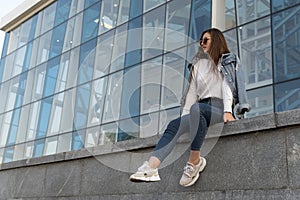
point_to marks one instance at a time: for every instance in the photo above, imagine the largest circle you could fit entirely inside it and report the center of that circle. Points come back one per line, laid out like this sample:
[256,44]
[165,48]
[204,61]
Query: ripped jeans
[202,114]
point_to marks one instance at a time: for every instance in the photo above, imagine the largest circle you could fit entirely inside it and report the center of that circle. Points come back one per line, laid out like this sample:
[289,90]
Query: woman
[208,101]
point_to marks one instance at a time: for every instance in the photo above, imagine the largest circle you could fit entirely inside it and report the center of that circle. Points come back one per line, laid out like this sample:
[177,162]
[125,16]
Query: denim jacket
[232,72]
[230,68]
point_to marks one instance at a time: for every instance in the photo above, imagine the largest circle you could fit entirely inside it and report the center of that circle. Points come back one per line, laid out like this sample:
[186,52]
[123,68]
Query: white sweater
[207,83]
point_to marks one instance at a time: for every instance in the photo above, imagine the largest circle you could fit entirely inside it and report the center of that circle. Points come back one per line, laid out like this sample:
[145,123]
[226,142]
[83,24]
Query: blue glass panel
[287,96]
[82,106]
[91,22]
[44,117]
[78,139]
[51,76]
[27,57]
[134,42]
[286,44]
[200,18]
[128,129]
[5,44]
[38,148]
[62,11]
[87,3]
[33,27]
[136,8]
[2,64]
[86,61]
[21,90]
[57,40]
[281,4]
[8,154]
[130,105]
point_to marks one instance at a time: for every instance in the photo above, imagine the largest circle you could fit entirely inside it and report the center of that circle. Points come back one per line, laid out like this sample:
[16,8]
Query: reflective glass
[261,101]
[92,137]
[287,96]
[51,145]
[38,148]
[74,68]
[1,155]
[64,143]
[63,69]
[256,56]
[88,3]
[44,47]
[56,114]
[113,97]
[8,154]
[29,150]
[7,73]
[5,122]
[136,8]
[178,17]
[48,17]
[86,61]
[286,43]
[251,10]
[128,129]
[68,106]
[33,120]
[91,22]
[103,54]
[123,15]
[57,40]
[232,40]
[134,42]
[43,123]
[19,152]
[149,4]
[13,40]
[13,129]
[51,76]
[149,125]
[200,19]
[130,104]
[62,11]
[150,86]
[68,41]
[230,15]
[172,78]
[5,47]
[78,139]
[77,32]
[23,123]
[153,32]
[34,53]
[109,15]
[281,4]
[108,134]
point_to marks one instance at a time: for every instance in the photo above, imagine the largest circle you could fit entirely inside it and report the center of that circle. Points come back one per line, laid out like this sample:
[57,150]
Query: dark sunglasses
[204,40]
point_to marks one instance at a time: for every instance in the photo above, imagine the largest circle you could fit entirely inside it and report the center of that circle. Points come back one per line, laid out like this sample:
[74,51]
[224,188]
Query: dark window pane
[287,96]
[281,4]
[44,117]
[136,8]
[128,129]
[91,22]
[87,3]
[51,76]
[78,139]
[86,61]
[62,11]
[39,148]
[57,40]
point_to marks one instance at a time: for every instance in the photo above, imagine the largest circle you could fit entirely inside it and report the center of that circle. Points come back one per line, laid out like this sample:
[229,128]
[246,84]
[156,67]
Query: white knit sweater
[207,83]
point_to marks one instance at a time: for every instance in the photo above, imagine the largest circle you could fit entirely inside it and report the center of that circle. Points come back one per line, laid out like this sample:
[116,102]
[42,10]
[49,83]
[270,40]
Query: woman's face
[205,42]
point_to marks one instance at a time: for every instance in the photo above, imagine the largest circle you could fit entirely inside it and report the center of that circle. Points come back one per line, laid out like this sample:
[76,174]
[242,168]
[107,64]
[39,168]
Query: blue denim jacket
[233,73]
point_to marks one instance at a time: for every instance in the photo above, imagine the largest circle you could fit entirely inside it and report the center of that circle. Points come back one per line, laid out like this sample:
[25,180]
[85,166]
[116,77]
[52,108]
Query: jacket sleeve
[227,96]
[191,96]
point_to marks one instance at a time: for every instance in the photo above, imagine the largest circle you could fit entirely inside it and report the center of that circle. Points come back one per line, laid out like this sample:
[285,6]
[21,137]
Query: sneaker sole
[154,178]
[202,167]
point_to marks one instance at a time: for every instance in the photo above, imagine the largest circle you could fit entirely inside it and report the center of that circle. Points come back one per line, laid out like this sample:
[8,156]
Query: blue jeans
[202,114]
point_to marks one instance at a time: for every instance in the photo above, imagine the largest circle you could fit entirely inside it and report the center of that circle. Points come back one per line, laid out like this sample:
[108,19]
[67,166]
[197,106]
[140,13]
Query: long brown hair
[218,44]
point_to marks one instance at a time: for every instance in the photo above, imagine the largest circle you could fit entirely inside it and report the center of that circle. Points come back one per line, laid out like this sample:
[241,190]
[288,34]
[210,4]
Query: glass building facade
[85,73]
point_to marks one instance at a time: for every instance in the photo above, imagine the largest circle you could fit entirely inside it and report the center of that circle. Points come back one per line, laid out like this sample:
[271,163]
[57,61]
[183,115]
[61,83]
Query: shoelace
[188,170]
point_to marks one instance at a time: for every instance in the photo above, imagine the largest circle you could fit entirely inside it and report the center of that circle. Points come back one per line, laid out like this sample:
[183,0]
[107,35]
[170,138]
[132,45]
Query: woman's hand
[228,117]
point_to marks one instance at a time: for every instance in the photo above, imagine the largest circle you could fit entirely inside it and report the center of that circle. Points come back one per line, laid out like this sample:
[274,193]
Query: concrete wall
[255,158]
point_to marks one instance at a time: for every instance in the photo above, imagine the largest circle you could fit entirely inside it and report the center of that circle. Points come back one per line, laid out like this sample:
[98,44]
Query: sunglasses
[204,40]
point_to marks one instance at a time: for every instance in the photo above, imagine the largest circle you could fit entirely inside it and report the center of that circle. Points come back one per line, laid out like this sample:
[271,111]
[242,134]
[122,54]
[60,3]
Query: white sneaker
[145,173]
[191,173]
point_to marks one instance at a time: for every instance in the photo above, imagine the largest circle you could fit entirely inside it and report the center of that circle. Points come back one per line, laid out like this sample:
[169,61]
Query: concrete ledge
[251,125]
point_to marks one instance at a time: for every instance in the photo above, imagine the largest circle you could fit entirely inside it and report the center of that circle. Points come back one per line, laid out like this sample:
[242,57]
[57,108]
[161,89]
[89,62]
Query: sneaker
[191,173]
[145,173]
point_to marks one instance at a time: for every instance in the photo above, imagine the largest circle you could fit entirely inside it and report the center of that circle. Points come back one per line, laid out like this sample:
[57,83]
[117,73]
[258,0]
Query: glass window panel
[48,17]
[74,67]
[97,101]
[151,4]
[2,65]
[200,18]
[119,48]
[91,22]
[39,81]
[281,4]
[68,42]
[78,139]
[34,53]
[64,66]
[136,8]
[261,101]
[33,120]
[1,155]
[251,10]
[19,152]
[178,19]
[23,123]
[64,143]
[56,114]
[5,122]
[29,150]
[166,116]
[173,76]
[44,47]
[134,42]
[103,54]
[232,40]
[108,134]
[149,125]
[150,86]
[38,148]
[256,56]
[128,129]
[86,61]
[130,104]
[77,29]
[13,40]
[45,111]
[113,97]
[4,92]
[13,129]
[51,76]
[153,33]
[73,8]
[29,87]
[287,96]
[92,137]
[19,61]
[109,15]
[286,43]
[88,3]
[230,15]
[27,31]
[8,154]
[51,145]
[4,48]
[57,40]
[66,124]
[123,15]
[62,11]
[7,73]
